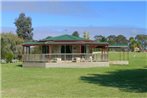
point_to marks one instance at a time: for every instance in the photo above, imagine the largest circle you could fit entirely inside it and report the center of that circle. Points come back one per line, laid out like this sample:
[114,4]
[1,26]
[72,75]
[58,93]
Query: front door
[66,51]
[83,49]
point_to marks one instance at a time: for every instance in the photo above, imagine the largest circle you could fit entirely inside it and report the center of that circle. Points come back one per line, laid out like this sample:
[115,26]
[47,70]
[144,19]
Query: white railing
[68,57]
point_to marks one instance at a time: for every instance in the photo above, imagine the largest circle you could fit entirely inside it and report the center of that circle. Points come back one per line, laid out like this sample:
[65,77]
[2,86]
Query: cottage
[65,51]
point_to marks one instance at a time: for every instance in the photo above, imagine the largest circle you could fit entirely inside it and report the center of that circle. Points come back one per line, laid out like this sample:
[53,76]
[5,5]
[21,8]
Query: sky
[96,17]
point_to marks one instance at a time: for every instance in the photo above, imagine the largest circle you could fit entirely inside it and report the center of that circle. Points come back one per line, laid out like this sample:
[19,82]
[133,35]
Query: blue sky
[46,14]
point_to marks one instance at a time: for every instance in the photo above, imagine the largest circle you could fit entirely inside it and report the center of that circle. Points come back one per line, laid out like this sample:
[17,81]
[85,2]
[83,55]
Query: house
[65,51]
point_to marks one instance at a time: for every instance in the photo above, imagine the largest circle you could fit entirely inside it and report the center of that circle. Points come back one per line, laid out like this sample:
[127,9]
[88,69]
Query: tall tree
[111,39]
[86,35]
[132,43]
[120,39]
[100,38]
[141,38]
[24,27]
[75,33]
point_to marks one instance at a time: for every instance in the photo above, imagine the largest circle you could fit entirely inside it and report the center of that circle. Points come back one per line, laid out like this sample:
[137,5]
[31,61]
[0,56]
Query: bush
[9,57]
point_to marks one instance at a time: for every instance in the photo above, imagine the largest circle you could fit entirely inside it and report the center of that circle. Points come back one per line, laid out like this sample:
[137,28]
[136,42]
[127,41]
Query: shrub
[9,57]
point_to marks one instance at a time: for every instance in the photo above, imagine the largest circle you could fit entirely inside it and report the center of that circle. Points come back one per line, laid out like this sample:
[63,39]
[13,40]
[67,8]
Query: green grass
[114,81]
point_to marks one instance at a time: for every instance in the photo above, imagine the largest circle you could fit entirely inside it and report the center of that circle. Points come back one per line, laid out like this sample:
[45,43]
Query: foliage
[10,43]
[121,39]
[133,44]
[100,38]
[86,35]
[75,33]
[111,39]
[24,27]
[9,56]
[142,39]
[48,37]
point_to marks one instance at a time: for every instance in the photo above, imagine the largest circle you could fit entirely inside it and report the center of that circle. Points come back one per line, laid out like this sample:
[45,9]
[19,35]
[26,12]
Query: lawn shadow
[19,65]
[133,80]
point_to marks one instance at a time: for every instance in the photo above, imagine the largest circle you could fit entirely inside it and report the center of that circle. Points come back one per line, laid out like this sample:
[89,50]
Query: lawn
[114,81]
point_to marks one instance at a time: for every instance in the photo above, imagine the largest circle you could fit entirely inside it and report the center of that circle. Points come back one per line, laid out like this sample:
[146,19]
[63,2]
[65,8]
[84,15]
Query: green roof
[118,45]
[70,38]
[65,37]
[32,43]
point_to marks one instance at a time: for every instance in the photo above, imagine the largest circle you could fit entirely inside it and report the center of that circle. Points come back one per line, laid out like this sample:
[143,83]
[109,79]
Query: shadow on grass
[19,65]
[134,80]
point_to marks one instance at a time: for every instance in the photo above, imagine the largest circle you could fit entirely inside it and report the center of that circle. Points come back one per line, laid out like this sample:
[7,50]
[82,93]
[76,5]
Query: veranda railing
[73,57]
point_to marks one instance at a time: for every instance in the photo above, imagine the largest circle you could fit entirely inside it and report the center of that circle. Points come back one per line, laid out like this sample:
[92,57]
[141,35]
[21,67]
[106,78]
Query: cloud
[43,32]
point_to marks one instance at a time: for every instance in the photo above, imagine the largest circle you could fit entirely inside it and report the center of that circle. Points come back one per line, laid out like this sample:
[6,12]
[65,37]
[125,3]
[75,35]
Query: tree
[24,27]
[75,33]
[134,44]
[9,56]
[48,37]
[111,39]
[142,39]
[104,39]
[120,39]
[10,45]
[86,35]
[100,38]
